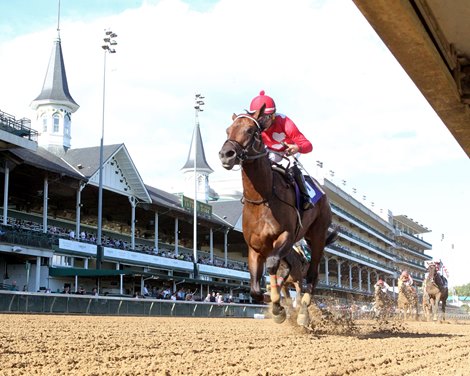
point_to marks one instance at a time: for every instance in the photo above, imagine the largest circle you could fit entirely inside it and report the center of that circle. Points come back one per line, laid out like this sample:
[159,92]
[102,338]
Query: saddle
[315,191]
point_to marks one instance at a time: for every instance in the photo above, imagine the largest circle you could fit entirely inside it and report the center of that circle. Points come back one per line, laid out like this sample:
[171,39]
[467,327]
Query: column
[338,263]
[368,280]
[37,281]
[211,244]
[360,277]
[5,194]
[226,248]
[176,236]
[78,210]
[45,205]
[156,232]
[350,277]
[133,203]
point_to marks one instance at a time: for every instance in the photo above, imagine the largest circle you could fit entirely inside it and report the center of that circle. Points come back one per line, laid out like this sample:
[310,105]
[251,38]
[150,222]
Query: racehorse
[436,288]
[407,300]
[383,303]
[272,222]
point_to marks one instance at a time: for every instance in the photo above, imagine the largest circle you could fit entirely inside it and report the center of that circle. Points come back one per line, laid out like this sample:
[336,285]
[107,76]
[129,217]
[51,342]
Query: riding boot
[299,179]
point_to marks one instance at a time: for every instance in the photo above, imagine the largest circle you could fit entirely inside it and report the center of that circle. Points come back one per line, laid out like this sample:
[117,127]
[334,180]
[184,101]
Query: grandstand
[49,221]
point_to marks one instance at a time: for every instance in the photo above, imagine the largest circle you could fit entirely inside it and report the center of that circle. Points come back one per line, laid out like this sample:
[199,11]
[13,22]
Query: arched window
[56,118]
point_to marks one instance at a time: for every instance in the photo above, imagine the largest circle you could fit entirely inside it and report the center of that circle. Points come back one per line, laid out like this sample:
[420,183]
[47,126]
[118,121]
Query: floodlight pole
[108,47]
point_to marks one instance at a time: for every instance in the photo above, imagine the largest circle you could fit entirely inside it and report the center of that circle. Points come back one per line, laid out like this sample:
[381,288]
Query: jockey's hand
[291,149]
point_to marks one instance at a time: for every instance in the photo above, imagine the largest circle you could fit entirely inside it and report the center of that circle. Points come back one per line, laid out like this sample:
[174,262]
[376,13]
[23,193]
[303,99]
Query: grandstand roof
[115,159]
[43,159]
[230,211]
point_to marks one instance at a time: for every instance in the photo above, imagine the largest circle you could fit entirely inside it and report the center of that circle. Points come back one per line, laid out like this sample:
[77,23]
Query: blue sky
[320,60]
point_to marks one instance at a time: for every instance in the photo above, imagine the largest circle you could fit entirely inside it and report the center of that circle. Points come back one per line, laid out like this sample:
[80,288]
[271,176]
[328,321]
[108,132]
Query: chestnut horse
[437,290]
[407,300]
[271,221]
[383,303]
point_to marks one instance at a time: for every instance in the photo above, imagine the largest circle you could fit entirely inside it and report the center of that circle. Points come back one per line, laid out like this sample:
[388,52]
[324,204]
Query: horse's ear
[234,116]
[259,112]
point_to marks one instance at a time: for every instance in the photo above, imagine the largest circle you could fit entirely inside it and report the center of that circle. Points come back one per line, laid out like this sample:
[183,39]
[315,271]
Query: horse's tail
[332,236]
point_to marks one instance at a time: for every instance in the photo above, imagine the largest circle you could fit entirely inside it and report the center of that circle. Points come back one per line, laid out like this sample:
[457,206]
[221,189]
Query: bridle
[244,153]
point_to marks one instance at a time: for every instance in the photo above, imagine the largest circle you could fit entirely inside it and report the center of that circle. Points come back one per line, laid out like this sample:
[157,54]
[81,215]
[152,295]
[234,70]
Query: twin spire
[54,105]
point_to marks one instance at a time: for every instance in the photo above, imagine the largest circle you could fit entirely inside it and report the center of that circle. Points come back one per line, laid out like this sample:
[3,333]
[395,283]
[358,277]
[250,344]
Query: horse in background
[436,288]
[407,300]
[383,303]
[272,220]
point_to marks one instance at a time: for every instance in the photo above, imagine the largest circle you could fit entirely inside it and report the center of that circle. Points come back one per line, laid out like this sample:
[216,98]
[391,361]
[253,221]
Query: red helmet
[261,99]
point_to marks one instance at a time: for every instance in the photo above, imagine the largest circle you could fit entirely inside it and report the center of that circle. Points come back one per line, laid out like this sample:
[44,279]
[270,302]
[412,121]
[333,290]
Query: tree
[463,290]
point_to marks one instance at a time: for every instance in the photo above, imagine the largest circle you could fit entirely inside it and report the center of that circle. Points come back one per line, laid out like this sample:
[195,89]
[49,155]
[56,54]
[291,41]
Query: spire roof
[196,144]
[55,88]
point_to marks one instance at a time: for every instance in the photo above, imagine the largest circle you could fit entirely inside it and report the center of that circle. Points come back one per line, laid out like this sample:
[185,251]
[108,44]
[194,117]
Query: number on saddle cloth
[314,189]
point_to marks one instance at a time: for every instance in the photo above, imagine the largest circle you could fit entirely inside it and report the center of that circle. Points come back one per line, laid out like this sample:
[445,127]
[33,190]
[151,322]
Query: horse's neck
[257,178]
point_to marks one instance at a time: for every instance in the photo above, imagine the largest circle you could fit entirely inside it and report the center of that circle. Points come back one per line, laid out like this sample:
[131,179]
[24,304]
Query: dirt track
[83,345]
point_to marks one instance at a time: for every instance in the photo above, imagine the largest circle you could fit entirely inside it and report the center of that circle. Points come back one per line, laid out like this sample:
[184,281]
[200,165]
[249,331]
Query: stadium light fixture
[108,42]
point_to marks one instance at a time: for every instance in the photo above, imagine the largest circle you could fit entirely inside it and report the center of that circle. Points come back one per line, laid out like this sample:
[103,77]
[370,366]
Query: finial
[58,21]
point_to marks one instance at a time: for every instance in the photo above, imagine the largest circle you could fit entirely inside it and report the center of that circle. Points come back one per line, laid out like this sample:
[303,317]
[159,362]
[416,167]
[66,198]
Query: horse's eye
[250,131]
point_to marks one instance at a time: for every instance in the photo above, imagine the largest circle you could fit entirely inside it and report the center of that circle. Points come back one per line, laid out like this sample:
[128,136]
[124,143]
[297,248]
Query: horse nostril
[230,154]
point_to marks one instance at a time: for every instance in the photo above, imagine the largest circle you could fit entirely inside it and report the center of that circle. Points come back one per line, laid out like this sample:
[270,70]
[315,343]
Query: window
[56,123]
[44,124]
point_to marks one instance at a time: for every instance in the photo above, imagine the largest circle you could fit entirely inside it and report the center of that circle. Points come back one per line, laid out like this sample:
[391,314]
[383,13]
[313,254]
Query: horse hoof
[306,299]
[279,319]
[303,318]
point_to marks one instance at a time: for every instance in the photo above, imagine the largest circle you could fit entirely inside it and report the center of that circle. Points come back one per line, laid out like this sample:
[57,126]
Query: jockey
[405,278]
[383,285]
[281,136]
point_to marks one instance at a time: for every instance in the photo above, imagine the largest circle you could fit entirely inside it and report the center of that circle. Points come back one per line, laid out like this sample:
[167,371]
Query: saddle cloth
[314,189]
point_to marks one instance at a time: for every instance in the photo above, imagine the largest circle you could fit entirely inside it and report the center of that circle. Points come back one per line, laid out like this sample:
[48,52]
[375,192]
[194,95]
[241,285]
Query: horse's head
[244,140]
[432,270]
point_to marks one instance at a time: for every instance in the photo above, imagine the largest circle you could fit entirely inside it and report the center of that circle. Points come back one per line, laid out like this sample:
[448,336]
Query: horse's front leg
[255,266]
[436,307]
[280,248]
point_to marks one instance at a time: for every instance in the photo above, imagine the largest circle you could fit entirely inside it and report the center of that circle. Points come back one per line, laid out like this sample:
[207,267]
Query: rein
[243,153]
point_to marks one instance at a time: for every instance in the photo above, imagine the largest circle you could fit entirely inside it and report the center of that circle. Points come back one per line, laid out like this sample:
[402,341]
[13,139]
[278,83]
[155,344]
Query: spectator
[145,291]
[213,297]
[66,289]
